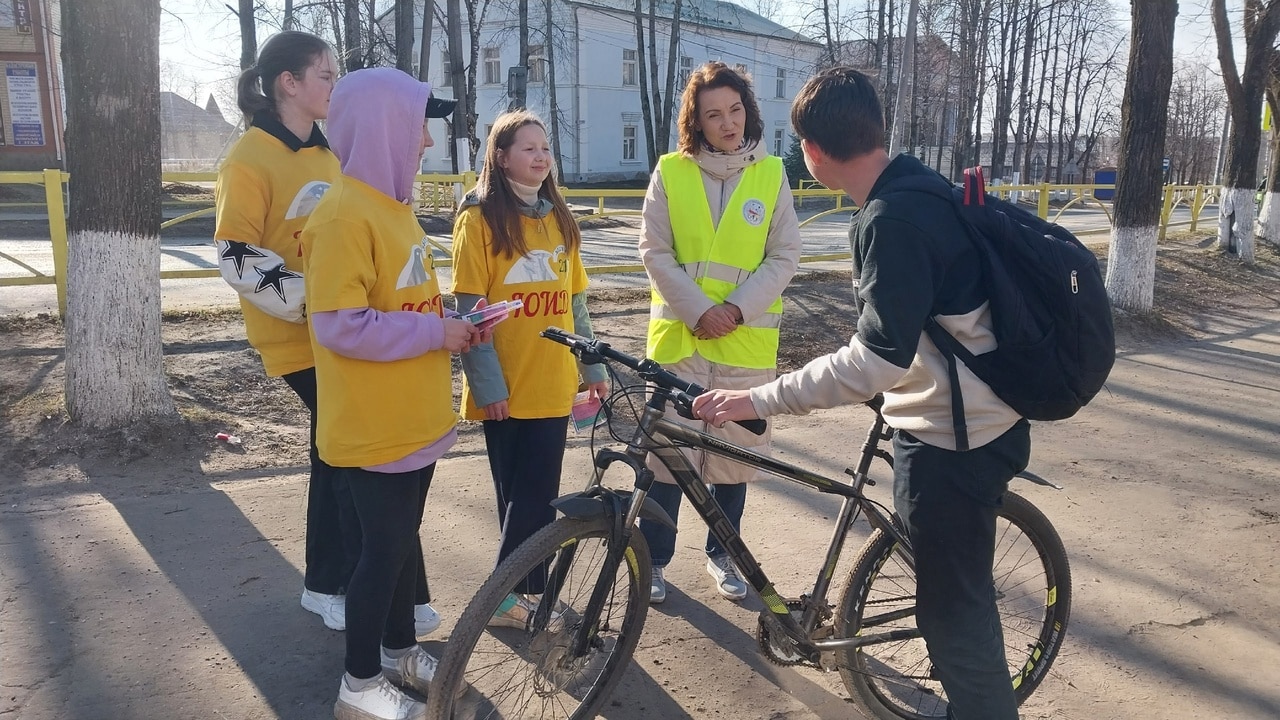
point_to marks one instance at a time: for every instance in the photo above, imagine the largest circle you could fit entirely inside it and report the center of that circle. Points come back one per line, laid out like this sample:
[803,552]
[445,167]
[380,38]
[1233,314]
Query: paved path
[183,603]
[26,244]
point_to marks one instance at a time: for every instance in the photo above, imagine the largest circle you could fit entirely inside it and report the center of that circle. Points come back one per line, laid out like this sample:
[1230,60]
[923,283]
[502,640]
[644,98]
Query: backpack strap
[975,187]
[950,348]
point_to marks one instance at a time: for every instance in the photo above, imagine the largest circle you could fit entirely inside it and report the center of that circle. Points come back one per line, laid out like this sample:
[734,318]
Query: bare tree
[1131,264]
[465,108]
[353,52]
[1197,102]
[553,108]
[521,98]
[1237,209]
[657,101]
[424,47]
[115,368]
[248,34]
[1269,218]
[404,35]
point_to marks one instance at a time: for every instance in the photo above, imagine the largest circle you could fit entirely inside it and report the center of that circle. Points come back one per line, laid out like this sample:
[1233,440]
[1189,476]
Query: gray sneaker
[657,587]
[728,582]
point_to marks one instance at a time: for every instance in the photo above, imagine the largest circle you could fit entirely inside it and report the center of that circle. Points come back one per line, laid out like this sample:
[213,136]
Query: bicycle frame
[663,438]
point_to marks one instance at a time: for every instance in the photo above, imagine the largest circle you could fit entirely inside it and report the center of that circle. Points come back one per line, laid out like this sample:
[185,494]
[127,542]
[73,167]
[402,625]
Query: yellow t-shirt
[541,376]
[364,249]
[265,192]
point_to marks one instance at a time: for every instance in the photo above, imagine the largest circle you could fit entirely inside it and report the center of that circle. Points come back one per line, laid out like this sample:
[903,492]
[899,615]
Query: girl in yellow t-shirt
[515,239]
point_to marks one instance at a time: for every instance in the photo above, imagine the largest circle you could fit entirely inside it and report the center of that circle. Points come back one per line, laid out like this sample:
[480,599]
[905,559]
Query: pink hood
[375,128]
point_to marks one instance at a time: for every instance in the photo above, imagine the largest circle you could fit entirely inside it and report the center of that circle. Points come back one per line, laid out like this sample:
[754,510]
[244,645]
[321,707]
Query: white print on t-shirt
[415,271]
[535,266]
[305,201]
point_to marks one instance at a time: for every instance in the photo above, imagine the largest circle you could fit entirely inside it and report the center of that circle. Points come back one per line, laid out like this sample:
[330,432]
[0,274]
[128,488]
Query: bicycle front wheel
[505,672]
[894,678]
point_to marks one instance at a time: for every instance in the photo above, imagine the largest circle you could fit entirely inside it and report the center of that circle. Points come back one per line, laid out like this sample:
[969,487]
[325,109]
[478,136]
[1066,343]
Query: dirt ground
[154,572]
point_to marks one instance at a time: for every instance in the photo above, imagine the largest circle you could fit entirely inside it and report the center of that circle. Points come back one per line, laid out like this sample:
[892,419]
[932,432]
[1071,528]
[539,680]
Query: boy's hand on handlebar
[721,406]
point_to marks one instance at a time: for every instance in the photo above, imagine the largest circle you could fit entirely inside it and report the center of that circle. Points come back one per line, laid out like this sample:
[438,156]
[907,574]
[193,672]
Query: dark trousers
[948,502]
[333,532]
[525,457]
[662,539]
[381,594]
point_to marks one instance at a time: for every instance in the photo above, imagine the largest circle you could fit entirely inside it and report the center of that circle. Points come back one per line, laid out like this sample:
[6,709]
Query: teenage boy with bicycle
[913,260]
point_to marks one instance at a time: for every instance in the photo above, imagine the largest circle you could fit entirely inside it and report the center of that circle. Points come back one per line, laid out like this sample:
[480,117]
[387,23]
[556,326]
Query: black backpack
[1049,307]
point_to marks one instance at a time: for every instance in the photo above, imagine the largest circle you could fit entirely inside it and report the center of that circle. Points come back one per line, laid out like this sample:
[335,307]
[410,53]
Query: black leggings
[380,597]
[333,532]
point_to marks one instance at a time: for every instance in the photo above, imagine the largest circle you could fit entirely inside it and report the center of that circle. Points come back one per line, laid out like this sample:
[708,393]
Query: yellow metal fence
[439,193]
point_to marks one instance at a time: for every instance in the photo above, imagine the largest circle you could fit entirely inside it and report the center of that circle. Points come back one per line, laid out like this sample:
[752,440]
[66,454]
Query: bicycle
[577,643]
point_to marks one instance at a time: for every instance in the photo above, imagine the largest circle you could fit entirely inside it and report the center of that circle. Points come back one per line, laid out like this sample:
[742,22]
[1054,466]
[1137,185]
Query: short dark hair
[710,76]
[838,111]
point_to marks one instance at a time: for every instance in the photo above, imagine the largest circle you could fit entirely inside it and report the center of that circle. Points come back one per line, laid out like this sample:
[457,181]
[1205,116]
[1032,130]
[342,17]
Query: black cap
[439,107]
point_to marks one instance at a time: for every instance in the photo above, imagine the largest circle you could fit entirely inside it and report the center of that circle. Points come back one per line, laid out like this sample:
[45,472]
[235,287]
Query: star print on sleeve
[236,252]
[274,278]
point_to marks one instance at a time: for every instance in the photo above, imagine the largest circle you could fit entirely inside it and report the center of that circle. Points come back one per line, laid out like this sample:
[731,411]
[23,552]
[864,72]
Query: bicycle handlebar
[594,352]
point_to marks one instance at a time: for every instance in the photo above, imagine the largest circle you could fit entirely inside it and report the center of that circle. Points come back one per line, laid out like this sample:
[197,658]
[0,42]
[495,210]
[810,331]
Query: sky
[200,44]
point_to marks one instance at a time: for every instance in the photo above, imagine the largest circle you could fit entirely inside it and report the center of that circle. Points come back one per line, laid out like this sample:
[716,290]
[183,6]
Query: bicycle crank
[775,644]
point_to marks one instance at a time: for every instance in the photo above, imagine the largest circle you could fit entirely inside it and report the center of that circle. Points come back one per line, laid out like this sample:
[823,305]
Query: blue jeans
[662,539]
[948,502]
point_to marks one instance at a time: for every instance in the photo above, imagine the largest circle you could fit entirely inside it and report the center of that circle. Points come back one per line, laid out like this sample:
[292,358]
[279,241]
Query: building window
[628,142]
[780,90]
[686,69]
[629,67]
[446,68]
[779,136]
[448,141]
[537,64]
[492,66]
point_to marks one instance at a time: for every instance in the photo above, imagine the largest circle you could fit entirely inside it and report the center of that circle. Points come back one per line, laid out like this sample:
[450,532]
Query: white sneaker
[425,619]
[414,669]
[331,608]
[379,701]
[728,582]
[657,587]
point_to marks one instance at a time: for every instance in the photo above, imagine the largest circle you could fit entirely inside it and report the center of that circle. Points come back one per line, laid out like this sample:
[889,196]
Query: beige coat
[720,176]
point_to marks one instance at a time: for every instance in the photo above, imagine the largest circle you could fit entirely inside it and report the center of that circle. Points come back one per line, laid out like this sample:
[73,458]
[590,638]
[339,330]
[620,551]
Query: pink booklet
[585,413]
[491,315]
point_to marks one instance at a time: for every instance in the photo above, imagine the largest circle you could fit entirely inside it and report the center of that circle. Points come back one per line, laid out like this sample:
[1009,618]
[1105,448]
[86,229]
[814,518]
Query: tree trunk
[248,35]
[424,48]
[521,98]
[553,103]
[1131,265]
[404,35]
[353,52]
[646,111]
[673,53]
[1237,210]
[115,363]
[289,22]
[459,82]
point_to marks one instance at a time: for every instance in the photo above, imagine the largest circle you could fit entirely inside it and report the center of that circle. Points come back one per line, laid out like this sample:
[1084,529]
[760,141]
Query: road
[24,248]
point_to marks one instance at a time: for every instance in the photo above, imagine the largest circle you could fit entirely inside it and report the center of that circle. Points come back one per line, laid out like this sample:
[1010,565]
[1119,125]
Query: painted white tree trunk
[1237,213]
[1269,220]
[1131,267]
[115,364]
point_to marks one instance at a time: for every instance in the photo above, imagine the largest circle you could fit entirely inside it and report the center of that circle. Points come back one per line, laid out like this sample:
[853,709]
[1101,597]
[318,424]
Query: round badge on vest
[753,212]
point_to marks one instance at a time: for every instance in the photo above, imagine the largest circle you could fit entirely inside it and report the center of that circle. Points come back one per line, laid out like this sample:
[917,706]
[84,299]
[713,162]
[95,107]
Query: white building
[597,76]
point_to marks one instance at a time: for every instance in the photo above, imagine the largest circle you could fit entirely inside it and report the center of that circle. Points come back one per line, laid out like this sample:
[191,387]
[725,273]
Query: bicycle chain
[772,651]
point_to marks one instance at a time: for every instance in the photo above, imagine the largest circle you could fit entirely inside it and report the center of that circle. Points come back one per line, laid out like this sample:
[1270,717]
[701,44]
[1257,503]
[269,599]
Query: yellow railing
[440,192]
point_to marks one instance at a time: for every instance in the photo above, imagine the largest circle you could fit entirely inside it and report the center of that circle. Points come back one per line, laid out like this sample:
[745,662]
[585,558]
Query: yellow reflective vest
[719,259]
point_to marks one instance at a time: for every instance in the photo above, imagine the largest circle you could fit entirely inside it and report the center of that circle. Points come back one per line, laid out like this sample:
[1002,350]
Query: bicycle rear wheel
[502,672]
[895,679]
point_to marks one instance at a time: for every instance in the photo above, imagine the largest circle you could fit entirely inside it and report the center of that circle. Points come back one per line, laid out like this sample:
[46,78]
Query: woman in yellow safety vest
[720,241]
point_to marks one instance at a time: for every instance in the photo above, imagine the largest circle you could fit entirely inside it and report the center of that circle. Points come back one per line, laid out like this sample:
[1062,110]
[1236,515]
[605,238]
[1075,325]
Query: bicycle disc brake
[775,645]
